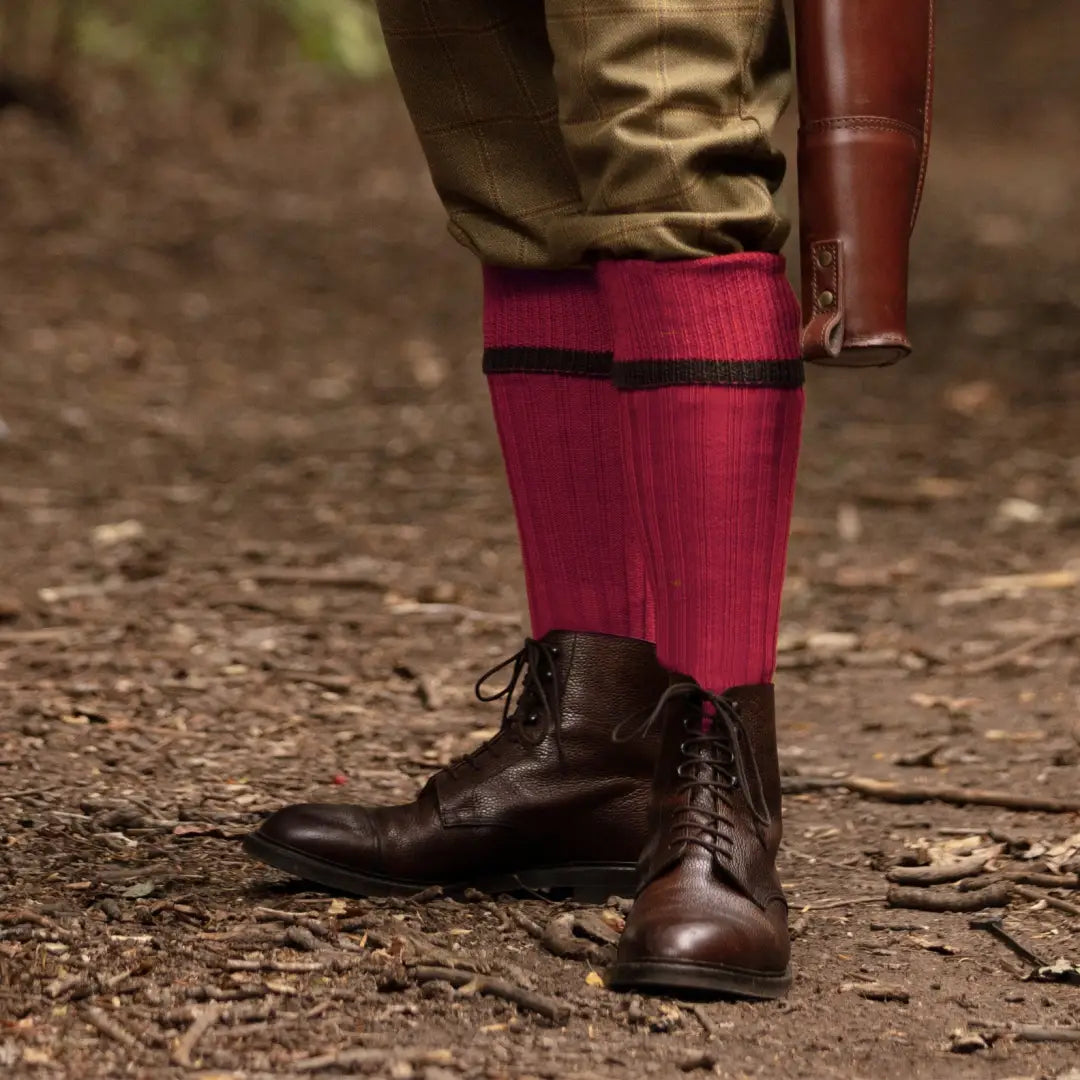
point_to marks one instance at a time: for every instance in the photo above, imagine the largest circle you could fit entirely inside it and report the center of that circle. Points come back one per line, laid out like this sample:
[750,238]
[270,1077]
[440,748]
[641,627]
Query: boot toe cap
[738,935]
[333,832]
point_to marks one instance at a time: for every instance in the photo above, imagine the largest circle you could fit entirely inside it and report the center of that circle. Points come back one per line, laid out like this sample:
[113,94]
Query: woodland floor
[255,545]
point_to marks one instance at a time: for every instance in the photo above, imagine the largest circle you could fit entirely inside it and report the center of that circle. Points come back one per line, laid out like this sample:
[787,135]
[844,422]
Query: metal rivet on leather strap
[825,258]
[826,299]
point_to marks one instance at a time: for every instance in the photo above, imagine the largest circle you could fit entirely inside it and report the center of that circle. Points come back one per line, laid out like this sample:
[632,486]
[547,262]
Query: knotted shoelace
[539,706]
[715,760]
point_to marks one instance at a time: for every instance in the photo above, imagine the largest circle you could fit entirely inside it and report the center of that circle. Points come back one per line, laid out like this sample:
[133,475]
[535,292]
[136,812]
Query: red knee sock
[711,412]
[548,359]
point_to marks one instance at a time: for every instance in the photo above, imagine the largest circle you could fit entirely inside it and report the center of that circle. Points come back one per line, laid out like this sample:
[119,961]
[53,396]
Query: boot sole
[667,976]
[588,882]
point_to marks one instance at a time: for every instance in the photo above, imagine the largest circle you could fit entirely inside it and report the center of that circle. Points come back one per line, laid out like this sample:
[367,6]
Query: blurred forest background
[256,544]
[224,47]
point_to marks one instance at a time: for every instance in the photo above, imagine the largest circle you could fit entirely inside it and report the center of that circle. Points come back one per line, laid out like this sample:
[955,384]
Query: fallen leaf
[139,890]
[1060,971]
[594,978]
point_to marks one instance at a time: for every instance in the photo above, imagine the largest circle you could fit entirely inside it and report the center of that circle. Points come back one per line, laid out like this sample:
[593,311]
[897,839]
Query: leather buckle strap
[823,334]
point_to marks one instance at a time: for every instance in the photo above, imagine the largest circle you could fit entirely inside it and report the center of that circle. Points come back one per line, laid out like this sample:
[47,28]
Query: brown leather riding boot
[710,913]
[550,803]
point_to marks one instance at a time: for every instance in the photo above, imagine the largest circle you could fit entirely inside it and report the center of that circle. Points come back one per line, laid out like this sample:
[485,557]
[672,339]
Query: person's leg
[478,82]
[550,802]
[667,110]
[548,359]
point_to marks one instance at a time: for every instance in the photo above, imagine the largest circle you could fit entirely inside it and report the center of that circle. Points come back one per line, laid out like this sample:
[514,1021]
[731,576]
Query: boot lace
[539,705]
[715,761]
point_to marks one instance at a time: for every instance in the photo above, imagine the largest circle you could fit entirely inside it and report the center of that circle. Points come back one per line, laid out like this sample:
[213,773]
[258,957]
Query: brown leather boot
[710,913]
[550,803]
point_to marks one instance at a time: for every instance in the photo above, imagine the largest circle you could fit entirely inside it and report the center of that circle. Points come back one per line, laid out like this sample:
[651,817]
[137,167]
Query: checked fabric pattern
[559,132]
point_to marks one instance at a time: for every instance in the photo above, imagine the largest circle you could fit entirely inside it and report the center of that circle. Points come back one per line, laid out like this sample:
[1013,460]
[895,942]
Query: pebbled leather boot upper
[710,912]
[549,802]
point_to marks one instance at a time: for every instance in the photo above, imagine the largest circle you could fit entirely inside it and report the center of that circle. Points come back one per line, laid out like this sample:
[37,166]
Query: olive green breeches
[559,132]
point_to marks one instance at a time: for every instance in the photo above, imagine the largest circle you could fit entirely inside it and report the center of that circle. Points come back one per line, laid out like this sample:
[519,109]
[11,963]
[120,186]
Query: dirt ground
[255,545]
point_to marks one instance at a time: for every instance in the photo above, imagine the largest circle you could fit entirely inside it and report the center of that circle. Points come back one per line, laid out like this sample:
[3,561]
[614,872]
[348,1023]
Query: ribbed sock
[547,354]
[711,406]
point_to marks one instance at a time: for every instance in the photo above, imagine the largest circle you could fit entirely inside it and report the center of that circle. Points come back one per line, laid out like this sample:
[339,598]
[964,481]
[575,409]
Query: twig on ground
[706,1021]
[877,991]
[1039,881]
[413,607]
[344,1059]
[202,1023]
[997,895]
[530,926]
[371,1057]
[995,928]
[107,1026]
[1018,652]
[292,918]
[298,575]
[843,901]
[336,684]
[560,940]
[1032,1033]
[284,968]
[943,873]
[1044,881]
[893,791]
[25,793]
[557,1012]
[1049,901]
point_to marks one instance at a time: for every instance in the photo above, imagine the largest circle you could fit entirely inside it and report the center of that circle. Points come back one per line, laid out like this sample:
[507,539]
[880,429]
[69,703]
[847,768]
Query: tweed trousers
[559,132]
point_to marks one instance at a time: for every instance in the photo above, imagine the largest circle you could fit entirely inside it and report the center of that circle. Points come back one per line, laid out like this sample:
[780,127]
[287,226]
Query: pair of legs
[609,162]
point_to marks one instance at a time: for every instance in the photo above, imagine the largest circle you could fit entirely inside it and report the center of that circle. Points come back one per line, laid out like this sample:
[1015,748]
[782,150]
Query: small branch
[1049,901]
[893,791]
[877,991]
[296,575]
[364,1057]
[1018,652]
[1032,1033]
[202,1023]
[995,929]
[530,926]
[844,901]
[706,1021]
[943,873]
[298,967]
[560,940]
[1043,881]
[923,900]
[96,1018]
[336,684]
[557,1012]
